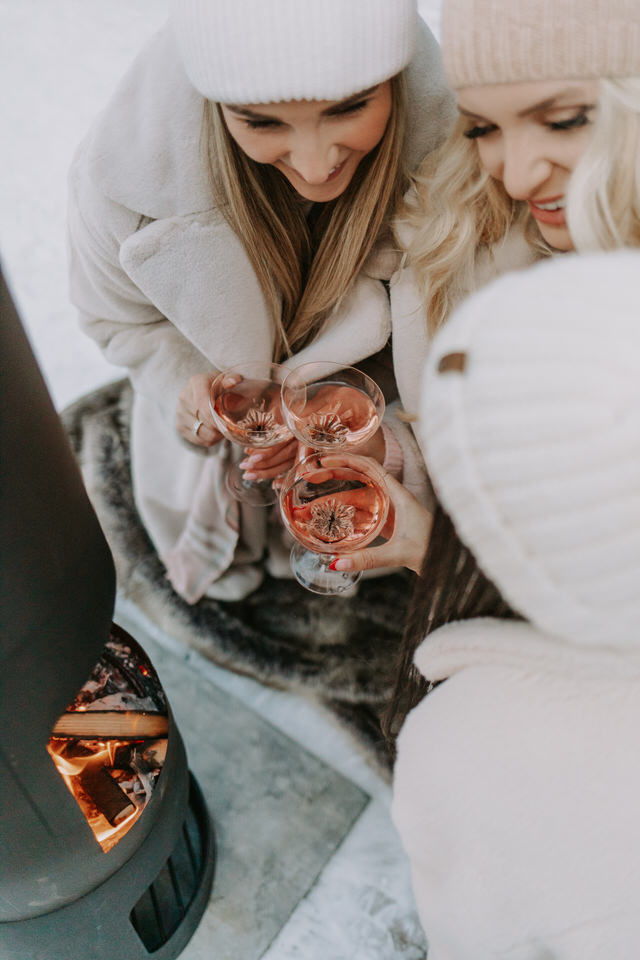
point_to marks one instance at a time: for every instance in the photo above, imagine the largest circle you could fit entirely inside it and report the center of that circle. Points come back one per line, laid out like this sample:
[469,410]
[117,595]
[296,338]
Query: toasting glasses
[332,503]
[328,406]
[246,408]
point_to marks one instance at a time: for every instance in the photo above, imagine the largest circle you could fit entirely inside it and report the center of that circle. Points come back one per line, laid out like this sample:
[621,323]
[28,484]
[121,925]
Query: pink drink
[250,414]
[334,414]
[337,515]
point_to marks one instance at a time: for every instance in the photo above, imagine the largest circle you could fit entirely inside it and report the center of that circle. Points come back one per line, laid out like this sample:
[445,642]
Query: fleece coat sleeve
[114,312]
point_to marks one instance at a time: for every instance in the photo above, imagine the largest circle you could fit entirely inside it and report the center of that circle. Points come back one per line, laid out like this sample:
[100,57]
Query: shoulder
[143,149]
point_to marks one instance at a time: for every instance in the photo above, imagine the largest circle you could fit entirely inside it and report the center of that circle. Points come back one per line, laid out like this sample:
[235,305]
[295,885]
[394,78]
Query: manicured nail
[251,461]
[250,476]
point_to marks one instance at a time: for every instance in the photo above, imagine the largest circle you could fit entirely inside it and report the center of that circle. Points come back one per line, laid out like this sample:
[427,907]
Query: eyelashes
[474,132]
[337,112]
[580,119]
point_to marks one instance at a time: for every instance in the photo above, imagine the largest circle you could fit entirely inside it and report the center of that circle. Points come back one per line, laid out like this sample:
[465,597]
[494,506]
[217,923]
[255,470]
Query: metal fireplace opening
[106,846]
[110,745]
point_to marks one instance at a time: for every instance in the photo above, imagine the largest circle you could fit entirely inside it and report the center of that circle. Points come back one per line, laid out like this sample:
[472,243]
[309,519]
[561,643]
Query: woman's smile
[550,211]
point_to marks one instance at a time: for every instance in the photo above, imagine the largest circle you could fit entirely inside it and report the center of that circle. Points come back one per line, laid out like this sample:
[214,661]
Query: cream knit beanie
[531,425]
[513,41]
[261,51]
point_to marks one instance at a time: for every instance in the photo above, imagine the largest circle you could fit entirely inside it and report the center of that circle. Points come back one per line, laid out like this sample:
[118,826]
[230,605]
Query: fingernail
[334,564]
[250,476]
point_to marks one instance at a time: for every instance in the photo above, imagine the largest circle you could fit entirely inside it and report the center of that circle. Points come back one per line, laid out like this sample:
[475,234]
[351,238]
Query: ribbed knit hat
[531,424]
[262,51]
[514,41]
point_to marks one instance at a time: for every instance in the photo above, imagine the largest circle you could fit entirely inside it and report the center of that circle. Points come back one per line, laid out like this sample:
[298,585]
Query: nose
[525,170]
[313,156]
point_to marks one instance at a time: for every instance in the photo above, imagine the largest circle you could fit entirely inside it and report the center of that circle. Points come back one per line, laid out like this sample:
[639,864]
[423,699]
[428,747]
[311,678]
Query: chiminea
[106,847]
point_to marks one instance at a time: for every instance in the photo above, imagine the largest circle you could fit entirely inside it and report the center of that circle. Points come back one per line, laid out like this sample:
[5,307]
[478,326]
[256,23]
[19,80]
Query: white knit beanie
[515,41]
[262,51]
[531,424]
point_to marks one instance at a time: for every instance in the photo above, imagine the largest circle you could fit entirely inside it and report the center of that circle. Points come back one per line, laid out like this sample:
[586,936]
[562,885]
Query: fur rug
[336,649]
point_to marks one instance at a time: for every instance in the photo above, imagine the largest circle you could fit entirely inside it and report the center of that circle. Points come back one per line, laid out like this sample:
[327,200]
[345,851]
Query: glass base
[259,493]
[312,571]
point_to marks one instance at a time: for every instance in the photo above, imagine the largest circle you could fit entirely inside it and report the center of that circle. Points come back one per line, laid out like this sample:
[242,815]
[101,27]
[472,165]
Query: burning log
[101,788]
[111,725]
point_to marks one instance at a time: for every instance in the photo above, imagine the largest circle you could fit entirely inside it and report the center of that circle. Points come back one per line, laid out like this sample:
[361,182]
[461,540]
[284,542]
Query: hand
[269,462]
[408,529]
[193,405]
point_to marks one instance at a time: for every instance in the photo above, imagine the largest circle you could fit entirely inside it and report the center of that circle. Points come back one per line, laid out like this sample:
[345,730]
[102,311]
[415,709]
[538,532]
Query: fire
[101,756]
[110,744]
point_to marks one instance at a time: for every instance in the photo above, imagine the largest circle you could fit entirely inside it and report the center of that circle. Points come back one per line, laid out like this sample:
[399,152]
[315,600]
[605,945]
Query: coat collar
[144,149]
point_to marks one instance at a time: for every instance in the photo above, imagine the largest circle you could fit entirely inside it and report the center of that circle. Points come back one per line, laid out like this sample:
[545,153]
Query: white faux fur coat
[516,796]
[164,286]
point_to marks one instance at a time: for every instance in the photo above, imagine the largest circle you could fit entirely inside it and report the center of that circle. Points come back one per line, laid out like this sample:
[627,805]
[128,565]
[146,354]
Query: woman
[226,206]
[543,159]
[516,779]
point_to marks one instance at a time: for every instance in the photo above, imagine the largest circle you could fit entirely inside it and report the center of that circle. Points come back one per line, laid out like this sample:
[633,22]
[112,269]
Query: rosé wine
[336,515]
[329,411]
[249,413]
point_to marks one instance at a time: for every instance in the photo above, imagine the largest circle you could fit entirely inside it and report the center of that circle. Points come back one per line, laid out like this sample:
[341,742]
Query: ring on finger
[197,424]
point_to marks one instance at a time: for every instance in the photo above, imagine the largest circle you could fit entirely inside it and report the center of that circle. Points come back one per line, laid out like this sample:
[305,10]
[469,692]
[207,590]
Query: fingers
[196,429]
[371,558]
[270,462]
[193,417]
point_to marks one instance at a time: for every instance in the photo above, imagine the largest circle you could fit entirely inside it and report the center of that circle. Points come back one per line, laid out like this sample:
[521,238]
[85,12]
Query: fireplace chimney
[62,896]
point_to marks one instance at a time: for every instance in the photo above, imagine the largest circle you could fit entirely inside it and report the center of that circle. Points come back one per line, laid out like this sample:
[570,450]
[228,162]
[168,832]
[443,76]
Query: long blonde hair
[603,201]
[457,208]
[305,272]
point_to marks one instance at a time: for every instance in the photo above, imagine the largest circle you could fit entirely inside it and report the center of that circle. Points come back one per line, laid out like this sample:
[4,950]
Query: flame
[103,753]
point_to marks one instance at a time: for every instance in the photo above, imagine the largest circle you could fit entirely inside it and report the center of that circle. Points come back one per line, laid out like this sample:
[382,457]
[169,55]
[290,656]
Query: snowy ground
[59,63]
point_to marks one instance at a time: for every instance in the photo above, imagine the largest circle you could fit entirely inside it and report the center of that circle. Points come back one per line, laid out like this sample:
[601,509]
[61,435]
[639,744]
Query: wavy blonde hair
[603,200]
[457,208]
[304,272]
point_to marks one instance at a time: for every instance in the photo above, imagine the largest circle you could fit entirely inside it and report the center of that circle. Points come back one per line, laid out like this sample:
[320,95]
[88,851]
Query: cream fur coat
[516,796]
[165,288]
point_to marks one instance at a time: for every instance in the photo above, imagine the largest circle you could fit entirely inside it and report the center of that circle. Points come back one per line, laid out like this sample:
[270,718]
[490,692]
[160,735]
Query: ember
[110,744]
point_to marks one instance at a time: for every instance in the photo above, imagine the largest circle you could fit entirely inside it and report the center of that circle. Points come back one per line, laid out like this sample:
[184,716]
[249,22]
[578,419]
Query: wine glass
[246,409]
[328,406]
[329,503]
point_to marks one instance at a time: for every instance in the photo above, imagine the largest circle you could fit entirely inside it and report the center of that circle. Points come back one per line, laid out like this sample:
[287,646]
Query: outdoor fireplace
[106,847]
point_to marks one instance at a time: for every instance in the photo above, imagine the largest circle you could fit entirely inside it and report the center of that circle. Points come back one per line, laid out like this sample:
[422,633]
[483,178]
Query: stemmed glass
[246,409]
[329,406]
[332,502]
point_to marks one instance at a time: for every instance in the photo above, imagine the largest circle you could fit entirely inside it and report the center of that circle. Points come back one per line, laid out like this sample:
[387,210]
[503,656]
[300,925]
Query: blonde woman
[543,159]
[226,207]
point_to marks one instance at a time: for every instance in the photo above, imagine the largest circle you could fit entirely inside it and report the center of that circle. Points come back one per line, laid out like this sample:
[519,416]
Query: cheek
[578,149]
[261,147]
[369,130]
[490,157]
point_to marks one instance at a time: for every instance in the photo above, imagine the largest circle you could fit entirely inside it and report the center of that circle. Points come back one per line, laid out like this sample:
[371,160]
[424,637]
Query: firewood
[109,798]
[111,725]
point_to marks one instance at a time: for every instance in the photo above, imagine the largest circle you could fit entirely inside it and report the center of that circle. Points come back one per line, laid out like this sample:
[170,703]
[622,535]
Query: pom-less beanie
[530,417]
[262,51]
[516,41]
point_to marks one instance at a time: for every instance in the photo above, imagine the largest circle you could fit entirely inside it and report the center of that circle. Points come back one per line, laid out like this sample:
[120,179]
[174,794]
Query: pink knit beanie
[515,41]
